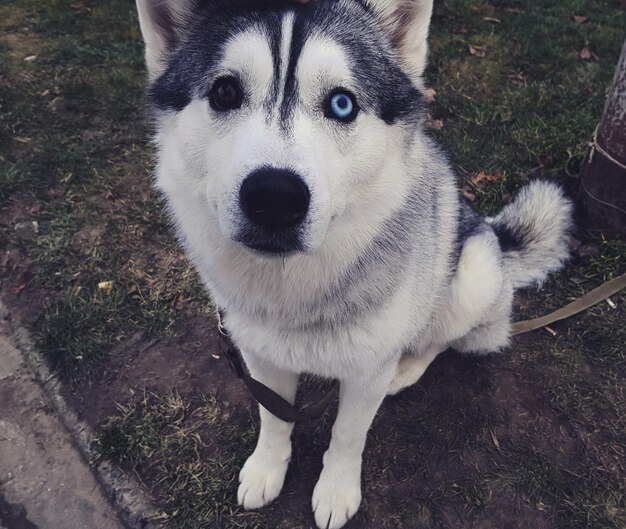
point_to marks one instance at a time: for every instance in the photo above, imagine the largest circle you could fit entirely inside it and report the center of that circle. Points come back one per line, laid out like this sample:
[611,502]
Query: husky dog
[324,220]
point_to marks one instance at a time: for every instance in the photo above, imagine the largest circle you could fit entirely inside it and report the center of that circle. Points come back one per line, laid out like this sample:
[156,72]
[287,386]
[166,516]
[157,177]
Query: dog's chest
[334,351]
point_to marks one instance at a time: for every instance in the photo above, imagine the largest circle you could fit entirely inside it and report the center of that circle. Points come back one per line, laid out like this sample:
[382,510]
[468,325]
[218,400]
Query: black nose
[274,198]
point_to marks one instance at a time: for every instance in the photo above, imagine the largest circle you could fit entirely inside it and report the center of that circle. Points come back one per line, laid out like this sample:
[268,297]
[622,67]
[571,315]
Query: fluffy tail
[534,233]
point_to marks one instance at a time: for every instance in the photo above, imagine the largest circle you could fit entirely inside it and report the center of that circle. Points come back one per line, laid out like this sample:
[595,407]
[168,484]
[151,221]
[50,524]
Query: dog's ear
[161,23]
[407,22]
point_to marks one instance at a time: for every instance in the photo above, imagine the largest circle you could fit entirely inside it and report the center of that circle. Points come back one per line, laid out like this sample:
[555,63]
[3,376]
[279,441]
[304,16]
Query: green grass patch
[191,454]
[530,102]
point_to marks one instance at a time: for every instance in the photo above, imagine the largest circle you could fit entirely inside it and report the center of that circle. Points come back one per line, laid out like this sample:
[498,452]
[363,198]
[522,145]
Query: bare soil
[530,438]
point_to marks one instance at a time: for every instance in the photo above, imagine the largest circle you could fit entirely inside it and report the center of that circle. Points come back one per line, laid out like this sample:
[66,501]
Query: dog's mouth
[271,244]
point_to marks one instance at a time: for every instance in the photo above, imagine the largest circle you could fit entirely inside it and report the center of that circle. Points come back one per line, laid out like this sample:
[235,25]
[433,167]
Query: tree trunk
[602,195]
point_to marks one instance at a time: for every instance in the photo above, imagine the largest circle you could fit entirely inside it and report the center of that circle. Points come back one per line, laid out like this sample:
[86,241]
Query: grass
[530,104]
[73,140]
[186,449]
[73,149]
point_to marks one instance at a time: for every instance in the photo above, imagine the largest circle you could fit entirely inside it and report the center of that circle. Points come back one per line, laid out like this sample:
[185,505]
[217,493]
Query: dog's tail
[534,233]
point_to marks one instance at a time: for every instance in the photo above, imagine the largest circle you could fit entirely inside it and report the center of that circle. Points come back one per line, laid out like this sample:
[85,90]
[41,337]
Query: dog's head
[282,118]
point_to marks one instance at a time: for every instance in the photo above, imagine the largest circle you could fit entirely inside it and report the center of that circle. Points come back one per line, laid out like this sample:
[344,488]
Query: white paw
[261,479]
[336,497]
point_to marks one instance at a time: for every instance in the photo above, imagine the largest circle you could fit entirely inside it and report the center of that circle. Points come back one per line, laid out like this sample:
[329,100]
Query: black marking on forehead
[290,97]
[273,29]
[382,87]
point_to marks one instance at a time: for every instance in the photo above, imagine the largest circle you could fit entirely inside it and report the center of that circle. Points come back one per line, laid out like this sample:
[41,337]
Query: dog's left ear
[161,23]
[407,22]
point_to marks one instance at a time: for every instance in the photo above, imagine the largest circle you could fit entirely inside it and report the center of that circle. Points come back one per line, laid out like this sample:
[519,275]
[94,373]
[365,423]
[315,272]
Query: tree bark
[602,195]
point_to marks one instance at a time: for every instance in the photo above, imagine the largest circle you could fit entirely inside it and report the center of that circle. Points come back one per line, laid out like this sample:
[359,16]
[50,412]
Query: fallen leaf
[476,51]
[484,177]
[22,139]
[518,77]
[45,93]
[30,58]
[513,10]
[587,55]
[496,443]
[436,124]
[491,19]
[465,191]
[579,19]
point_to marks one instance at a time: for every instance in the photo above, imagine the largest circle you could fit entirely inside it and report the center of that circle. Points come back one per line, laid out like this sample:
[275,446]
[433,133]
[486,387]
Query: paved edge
[131,503]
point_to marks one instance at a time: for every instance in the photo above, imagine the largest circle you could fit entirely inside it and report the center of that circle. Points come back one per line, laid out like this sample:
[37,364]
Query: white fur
[408,21]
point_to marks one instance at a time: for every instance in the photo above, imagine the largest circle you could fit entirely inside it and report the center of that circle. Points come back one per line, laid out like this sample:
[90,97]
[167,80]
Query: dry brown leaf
[476,51]
[436,124]
[484,177]
[587,55]
[518,77]
[579,19]
[465,191]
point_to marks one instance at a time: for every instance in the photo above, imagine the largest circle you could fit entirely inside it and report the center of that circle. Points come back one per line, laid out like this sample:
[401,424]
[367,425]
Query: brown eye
[225,94]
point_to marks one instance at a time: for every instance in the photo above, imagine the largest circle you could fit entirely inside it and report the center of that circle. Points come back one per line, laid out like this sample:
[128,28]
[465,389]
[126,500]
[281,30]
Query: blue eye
[341,106]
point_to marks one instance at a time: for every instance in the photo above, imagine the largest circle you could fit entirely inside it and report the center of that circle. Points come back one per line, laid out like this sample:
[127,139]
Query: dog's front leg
[263,474]
[337,494]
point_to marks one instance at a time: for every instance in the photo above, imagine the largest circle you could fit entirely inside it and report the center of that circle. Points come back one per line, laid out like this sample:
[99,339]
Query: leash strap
[584,302]
[271,400]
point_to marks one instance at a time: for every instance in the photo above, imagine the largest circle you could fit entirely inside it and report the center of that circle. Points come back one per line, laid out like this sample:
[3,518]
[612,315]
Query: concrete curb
[129,500]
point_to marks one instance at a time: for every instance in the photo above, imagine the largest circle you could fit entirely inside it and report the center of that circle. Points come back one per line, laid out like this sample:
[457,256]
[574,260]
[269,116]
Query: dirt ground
[532,438]
[44,483]
[477,443]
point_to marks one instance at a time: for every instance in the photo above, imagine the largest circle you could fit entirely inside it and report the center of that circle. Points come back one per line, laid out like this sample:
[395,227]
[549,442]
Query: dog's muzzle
[275,203]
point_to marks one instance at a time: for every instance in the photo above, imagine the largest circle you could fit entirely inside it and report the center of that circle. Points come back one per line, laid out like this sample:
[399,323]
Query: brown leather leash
[266,396]
[584,302]
[271,400]
[287,412]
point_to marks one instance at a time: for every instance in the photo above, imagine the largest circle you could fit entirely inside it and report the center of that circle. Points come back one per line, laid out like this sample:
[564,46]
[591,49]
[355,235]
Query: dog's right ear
[407,23]
[161,22]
